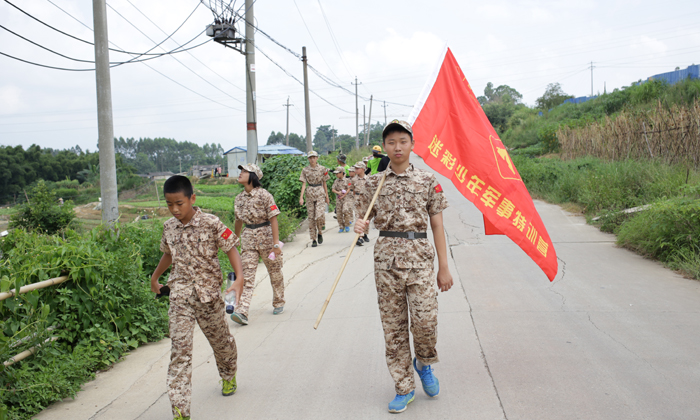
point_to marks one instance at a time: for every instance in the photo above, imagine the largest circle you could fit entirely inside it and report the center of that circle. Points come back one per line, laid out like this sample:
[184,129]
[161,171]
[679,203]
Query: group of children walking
[405,278]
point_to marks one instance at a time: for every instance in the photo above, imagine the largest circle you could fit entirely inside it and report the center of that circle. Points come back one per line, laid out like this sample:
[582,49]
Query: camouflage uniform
[315,198]
[358,185]
[344,206]
[195,296]
[255,207]
[403,268]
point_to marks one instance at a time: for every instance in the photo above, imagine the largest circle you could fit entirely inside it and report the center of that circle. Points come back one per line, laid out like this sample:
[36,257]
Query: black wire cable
[75,37]
[299,81]
[113,63]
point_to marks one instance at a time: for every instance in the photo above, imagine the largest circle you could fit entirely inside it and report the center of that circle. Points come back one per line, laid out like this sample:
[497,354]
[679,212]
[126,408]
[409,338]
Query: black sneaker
[320,239]
[314,244]
[359,242]
[365,238]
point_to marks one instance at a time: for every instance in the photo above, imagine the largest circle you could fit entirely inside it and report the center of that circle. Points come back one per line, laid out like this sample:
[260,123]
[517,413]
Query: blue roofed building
[237,155]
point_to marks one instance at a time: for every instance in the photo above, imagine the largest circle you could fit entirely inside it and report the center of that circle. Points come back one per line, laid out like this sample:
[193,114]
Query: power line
[175,58]
[298,81]
[313,40]
[334,39]
[192,55]
[114,63]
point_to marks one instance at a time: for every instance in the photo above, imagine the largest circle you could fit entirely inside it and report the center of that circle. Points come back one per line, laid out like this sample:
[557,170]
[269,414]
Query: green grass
[669,231]
[208,203]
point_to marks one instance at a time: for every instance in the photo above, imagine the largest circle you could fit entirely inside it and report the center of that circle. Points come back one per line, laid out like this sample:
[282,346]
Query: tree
[295,140]
[323,139]
[553,96]
[42,212]
[502,94]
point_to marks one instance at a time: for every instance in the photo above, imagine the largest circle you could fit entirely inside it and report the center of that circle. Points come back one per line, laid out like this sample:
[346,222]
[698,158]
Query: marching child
[316,195]
[190,242]
[403,263]
[343,202]
[358,185]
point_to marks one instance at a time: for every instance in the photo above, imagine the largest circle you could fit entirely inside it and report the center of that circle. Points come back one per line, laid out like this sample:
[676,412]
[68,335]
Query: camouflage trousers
[316,210]
[343,209]
[249,258]
[401,291]
[211,319]
[359,214]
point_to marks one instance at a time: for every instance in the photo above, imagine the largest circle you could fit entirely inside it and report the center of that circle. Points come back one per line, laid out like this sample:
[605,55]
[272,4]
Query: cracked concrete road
[613,337]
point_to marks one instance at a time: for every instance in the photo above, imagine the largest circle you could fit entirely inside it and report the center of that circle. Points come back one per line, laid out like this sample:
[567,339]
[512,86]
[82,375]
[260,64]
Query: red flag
[454,137]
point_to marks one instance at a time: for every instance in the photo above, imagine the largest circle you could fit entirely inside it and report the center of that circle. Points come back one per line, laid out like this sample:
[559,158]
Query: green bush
[669,231]
[102,311]
[42,213]
[281,179]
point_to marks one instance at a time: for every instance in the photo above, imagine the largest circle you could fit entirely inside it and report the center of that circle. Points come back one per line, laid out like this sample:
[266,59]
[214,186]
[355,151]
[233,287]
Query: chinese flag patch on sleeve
[438,188]
[273,207]
[227,233]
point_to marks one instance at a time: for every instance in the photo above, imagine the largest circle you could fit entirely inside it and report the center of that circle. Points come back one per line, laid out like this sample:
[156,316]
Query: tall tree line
[163,154]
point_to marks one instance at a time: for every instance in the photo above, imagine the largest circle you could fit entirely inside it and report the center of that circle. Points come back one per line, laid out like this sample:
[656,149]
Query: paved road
[615,336]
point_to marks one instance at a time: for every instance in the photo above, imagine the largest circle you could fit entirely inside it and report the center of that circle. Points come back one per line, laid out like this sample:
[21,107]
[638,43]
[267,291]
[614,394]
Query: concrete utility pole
[309,143]
[286,138]
[369,121]
[357,117]
[384,106]
[105,127]
[364,121]
[333,137]
[250,109]
[592,78]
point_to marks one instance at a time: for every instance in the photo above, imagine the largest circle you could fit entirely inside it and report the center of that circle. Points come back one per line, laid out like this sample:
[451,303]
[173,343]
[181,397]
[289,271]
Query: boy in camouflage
[358,186]
[190,242]
[343,202]
[403,263]
[316,195]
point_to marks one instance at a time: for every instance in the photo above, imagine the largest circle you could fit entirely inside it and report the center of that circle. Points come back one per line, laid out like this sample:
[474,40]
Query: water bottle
[272,255]
[230,298]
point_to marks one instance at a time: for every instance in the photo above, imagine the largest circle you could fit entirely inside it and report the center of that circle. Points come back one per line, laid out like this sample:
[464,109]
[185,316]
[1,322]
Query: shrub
[43,213]
[104,309]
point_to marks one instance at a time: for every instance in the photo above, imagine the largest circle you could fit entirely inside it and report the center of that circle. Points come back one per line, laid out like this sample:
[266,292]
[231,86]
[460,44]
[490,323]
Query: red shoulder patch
[227,233]
[438,188]
[325,173]
[349,183]
[273,208]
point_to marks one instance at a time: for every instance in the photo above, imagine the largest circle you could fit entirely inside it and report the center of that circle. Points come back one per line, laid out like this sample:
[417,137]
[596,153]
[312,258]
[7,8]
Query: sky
[391,47]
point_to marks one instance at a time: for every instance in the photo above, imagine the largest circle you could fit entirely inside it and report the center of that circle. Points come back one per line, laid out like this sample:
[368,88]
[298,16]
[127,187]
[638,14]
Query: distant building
[203,170]
[237,155]
[160,175]
[673,77]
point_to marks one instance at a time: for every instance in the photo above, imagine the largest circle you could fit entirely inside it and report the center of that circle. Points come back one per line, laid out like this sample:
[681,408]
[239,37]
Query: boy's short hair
[176,184]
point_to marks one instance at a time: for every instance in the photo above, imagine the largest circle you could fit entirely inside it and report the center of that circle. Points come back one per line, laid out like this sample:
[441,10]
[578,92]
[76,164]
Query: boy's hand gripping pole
[347,257]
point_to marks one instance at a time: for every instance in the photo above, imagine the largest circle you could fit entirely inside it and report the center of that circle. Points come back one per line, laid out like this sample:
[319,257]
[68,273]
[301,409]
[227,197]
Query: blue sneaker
[347,228]
[430,383]
[401,402]
[341,230]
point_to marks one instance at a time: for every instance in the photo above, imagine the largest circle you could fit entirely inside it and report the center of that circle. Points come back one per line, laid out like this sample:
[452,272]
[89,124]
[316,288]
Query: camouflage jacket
[343,184]
[358,185]
[317,175]
[405,204]
[254,207]
[194,249]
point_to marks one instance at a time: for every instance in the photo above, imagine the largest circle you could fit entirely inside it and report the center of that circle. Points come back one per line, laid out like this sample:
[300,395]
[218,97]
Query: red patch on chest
[438,188]
[227,233]
[273,208]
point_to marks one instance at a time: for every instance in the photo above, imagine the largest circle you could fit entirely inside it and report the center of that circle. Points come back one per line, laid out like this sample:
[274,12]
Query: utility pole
[333,137]
[250,109]
[180,159]
[592,78]
[105,125]
[364,122]
[309,143]
[384,106]
[357,117]
[286,138]
[369,121]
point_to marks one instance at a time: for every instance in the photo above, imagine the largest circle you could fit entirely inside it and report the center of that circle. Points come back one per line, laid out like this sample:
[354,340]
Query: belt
[315,185]
[407,235]
[259,225]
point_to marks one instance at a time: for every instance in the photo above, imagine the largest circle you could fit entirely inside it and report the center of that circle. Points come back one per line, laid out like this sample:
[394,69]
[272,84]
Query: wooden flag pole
[347,257]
